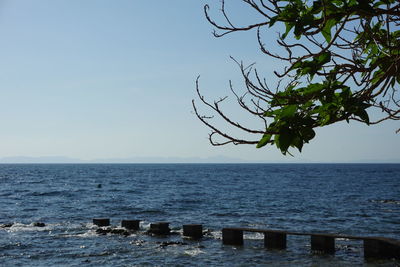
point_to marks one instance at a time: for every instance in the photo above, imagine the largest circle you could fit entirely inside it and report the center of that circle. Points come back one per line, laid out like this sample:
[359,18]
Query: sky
[99,79]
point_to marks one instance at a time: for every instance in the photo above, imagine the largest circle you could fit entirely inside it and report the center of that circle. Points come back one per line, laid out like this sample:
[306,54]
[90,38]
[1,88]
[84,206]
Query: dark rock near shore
[171,243]
[39,224]
[115,231]
[102,231]
[6,225]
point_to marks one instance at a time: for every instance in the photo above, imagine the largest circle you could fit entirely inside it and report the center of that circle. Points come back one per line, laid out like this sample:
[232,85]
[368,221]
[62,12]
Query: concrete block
[130,224]
[274,240]
[101,221]
[232,236]
[381,249]
[193,230]
[160,228]
[325,244]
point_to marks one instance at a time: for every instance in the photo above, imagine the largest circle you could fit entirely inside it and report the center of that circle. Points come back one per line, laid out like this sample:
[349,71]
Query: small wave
[386,201]
[41,227]
[193,252]
[225,214]
[17,227]
[46,194]
[87,234]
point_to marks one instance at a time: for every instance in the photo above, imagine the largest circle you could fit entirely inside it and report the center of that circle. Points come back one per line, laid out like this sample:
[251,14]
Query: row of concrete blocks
[377,248]
[158,228]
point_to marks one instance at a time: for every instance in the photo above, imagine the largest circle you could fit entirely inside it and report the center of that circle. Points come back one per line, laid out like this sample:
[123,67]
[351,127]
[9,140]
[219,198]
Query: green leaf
[264,140]
[285,140]
[326,31]
[288,111]
[363,115]
[313,88]
[307,134]
[272,21]
[324,58]
[326,119]
[269,113]
[289,26]
[297,142]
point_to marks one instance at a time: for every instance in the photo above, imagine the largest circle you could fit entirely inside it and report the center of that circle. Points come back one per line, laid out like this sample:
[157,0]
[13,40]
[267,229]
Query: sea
[351,199]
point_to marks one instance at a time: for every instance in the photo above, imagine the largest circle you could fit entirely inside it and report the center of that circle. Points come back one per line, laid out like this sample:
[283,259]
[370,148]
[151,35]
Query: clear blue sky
[115,79]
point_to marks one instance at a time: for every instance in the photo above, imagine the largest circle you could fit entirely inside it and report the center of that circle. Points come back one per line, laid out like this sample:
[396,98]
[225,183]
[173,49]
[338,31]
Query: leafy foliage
[342,59]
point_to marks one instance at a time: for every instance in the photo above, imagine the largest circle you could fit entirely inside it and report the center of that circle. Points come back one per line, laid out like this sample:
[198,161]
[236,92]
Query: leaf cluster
[342,59]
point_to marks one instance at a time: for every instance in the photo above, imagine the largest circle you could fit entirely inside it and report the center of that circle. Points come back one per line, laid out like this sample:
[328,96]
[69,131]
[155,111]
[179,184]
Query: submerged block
[273,240]
[231,236]
[193,230]
[381,249]
[325,244]
[130,224]
[160,228]
[101,221]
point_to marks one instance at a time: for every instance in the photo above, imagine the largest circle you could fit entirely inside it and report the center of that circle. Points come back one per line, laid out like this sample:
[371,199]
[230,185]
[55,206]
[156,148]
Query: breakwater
[374,247]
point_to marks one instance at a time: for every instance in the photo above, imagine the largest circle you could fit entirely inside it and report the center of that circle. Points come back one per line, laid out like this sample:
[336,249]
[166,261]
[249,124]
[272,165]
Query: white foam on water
[193,252]
[145,225]
[20,227]
[87,234]
[253,236]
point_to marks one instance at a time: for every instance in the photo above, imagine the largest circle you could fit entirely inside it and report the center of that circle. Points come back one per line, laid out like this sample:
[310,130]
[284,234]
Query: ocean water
[356,199]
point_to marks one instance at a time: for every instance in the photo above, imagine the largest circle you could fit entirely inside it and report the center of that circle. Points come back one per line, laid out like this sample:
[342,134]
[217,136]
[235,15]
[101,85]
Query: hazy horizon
[166,160]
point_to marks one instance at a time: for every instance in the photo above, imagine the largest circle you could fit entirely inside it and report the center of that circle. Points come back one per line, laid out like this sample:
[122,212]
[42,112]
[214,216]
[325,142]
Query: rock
[138,242]
[171,243]
[115,231]
[6,225]
[207,232]
[39,224]
[120,232]
[103,231]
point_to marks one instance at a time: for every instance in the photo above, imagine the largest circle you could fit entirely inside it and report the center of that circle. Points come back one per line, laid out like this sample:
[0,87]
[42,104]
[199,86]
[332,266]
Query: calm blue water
[359,199]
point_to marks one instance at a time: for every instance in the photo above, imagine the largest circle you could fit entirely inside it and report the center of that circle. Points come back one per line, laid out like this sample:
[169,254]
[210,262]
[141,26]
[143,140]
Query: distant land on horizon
[214,159]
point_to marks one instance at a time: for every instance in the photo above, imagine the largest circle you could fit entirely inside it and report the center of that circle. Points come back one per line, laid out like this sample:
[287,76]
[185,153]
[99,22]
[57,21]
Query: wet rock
[6,225]
[39,224]
[137,242]
[171,243]
[174,233]
[115,231]
[120,232]
[386,201]
[103,231]
[207,232]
